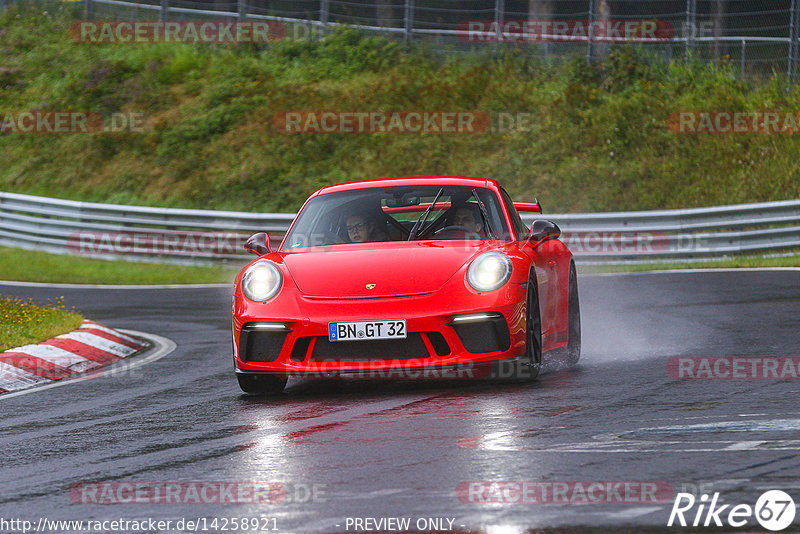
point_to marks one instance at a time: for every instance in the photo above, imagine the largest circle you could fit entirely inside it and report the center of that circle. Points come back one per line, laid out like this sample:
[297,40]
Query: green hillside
[596,138]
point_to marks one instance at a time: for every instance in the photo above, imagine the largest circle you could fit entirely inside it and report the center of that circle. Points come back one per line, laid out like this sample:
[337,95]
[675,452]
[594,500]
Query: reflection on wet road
[355,449]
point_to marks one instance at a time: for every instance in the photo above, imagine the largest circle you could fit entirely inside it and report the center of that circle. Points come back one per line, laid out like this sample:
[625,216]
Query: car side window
[519,227]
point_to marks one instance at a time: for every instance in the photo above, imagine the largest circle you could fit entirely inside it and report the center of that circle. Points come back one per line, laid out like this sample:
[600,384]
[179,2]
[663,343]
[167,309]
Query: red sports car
[405,277]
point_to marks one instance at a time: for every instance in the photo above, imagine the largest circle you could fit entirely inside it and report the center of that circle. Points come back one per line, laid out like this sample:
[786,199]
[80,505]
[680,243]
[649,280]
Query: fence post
[88,9]
[794,21]
[242,5]
[324,13]
[744,44]
[163,13]
[691,26]
[499,11]
[409,19]
[590,36]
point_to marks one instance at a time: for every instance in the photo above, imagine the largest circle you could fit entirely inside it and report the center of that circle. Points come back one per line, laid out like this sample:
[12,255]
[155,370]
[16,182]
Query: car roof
[409,181]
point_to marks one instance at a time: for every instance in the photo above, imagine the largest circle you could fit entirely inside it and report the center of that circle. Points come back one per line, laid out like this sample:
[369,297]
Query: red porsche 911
[405,277]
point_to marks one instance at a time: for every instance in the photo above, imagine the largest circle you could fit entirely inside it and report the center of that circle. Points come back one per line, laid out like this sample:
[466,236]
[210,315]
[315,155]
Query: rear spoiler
[534,206]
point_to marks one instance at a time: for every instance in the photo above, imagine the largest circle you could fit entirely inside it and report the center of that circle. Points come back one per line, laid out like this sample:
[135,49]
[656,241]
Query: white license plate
[363,330]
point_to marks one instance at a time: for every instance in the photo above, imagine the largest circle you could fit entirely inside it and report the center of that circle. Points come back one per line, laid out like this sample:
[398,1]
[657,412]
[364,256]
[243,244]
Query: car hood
[373,270]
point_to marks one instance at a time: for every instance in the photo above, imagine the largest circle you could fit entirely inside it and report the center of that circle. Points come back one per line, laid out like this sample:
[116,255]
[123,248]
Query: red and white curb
[73,355]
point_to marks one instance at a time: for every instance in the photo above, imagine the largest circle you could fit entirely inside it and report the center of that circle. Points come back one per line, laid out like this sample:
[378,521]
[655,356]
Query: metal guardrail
[686,234]
[205,236]
[135,232]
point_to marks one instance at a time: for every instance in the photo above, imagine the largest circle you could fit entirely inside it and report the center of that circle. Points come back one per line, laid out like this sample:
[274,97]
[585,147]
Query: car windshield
[429,212]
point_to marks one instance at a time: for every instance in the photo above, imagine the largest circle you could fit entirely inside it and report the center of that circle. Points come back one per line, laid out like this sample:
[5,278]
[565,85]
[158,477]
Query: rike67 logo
[774,510]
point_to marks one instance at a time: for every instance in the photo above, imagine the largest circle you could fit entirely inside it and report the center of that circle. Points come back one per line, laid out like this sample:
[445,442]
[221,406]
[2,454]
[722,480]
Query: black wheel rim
[574,316]
[534,326]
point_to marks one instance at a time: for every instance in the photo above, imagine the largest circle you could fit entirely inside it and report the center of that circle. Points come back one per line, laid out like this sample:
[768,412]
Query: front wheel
[261,384]
[533,330]
[573,348]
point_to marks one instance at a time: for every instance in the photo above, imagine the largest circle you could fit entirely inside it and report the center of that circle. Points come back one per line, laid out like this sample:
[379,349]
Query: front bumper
[434,341]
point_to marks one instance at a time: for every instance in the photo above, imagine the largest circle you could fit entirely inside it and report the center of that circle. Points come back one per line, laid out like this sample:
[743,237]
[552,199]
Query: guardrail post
[163,13]
[88,9]
[408,18]
[242,5]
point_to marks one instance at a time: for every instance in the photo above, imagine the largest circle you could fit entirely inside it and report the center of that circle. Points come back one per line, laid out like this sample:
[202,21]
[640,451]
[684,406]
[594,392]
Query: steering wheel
[454,228]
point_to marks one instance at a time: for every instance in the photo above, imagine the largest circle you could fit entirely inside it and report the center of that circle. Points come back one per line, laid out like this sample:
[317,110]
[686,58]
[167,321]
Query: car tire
[261,384]
[533,330]
[573,348]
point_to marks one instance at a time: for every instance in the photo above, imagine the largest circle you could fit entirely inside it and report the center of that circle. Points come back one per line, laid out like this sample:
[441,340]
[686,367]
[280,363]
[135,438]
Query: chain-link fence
[757,36]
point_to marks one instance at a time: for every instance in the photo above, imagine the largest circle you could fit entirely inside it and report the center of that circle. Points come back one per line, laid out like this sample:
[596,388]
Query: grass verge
[739,262]
[24,322]
[581,138]
[34,266]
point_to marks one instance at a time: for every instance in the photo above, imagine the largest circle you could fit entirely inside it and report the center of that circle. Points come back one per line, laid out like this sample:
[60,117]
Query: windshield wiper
[485,215]
[424,217]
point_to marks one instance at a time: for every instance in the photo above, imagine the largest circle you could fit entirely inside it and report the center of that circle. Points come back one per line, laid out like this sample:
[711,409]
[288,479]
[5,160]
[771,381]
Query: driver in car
[361,229]
[468,216]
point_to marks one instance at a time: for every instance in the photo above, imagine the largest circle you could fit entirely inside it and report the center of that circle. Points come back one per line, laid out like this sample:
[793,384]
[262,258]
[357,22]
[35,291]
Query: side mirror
[258,244]
[542,230]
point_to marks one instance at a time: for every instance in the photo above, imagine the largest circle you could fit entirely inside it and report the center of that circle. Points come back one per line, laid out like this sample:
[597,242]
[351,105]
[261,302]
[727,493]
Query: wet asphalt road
[401,449]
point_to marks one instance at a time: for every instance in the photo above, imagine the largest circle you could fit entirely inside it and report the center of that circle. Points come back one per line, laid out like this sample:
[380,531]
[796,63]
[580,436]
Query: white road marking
[636,441]
[744,445]
[632,513]
[725,426]
[693,271]
[112,286]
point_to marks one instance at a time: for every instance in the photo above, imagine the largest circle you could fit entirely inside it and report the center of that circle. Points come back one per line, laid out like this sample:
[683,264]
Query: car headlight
[261,281]
[489,271]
